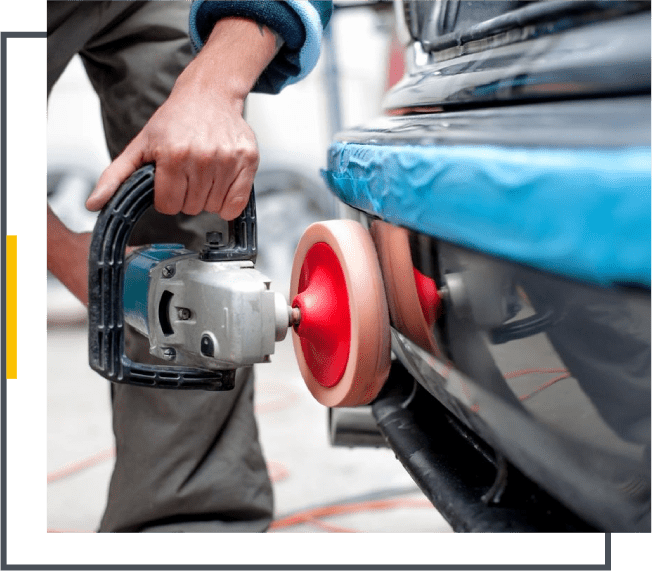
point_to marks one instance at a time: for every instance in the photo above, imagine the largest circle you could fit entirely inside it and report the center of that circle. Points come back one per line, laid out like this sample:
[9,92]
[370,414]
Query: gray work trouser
[186,461]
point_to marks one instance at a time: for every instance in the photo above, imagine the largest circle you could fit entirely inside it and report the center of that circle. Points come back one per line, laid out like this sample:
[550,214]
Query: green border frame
[26,539]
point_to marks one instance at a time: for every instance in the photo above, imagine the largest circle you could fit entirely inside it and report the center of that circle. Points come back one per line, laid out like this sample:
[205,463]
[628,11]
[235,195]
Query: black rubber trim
[473,490]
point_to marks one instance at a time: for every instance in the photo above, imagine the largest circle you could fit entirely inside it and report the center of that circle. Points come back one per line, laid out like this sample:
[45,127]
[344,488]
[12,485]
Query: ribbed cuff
[297,22]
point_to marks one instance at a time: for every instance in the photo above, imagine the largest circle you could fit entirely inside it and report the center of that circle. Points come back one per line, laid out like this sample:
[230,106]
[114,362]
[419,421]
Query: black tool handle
[106,282]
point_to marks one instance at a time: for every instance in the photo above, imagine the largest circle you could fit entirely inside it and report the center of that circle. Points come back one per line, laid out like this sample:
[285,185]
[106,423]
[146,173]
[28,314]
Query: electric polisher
[207,313]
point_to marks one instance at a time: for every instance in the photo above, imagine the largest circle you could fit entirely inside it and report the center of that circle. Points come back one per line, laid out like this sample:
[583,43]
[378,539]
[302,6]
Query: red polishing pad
[325,328]
[413,300]
[342,342]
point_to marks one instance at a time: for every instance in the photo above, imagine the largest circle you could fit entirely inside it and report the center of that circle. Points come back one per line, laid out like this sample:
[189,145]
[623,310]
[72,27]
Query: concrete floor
[307,471]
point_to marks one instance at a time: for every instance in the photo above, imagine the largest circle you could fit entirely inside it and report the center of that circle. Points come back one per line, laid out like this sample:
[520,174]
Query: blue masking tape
[581,213]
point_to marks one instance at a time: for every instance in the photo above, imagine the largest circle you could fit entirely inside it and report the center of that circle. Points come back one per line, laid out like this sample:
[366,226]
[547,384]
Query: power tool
[207,313]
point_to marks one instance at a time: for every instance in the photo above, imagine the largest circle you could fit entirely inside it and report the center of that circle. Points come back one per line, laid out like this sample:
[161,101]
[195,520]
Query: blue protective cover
[582,213]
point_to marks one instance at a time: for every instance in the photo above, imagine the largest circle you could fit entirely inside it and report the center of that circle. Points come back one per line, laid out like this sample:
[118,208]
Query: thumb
[115,174]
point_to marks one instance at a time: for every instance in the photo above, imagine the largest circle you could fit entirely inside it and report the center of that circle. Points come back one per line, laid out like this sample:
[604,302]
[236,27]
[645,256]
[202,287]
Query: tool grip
[106,329]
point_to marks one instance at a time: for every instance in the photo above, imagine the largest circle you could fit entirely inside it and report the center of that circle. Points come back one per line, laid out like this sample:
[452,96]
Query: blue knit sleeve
[300,24]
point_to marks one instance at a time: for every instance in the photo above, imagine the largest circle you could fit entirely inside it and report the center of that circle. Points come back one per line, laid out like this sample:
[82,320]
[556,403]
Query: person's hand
[206,155]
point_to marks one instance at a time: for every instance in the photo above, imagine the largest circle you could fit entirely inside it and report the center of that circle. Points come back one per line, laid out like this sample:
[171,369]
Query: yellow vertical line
[11,305]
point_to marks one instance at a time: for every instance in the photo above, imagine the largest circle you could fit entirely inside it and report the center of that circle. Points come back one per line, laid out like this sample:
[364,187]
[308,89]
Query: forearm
[299,22]
[67,254]
[235,54]
[60,239]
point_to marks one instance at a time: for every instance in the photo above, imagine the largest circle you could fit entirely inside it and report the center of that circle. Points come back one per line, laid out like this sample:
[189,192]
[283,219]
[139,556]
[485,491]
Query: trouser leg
[186,461]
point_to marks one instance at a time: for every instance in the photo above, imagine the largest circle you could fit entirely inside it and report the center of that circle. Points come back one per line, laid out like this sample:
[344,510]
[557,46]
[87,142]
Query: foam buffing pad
[342,342]
[413,300]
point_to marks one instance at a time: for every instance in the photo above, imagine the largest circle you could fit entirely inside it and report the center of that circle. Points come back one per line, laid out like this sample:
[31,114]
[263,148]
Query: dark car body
[514,161]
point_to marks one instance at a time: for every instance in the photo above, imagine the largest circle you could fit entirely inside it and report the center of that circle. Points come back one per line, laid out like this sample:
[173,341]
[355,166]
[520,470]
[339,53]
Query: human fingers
[203,176]
[238,194]
[133,157]
[170,187]
[230,193]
